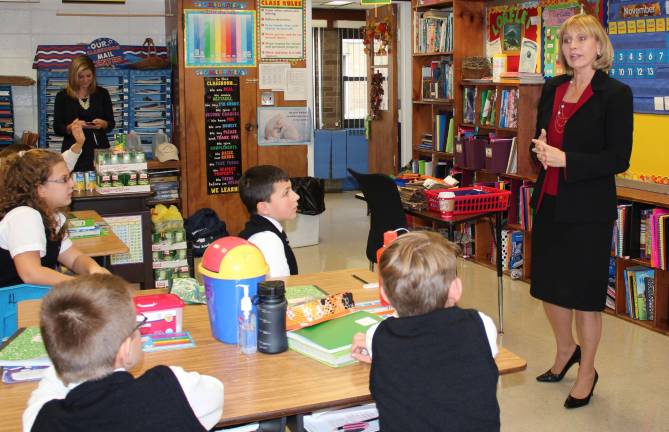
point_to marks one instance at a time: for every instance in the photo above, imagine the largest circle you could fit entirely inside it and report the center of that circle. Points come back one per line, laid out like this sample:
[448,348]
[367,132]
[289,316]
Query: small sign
[221,72]
[105,52]
[219,5]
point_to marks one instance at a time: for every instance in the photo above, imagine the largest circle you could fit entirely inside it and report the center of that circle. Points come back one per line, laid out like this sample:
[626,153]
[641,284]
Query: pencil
[359,278]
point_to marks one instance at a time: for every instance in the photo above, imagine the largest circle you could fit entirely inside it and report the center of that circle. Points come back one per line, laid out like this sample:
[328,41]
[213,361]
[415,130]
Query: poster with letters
[282,30]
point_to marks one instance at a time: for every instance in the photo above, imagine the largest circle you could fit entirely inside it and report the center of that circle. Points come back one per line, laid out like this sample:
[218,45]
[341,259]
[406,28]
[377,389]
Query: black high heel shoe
[549,376]
[573,402]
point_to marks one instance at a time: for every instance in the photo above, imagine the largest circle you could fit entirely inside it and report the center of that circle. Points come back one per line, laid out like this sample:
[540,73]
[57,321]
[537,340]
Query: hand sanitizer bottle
[247,335]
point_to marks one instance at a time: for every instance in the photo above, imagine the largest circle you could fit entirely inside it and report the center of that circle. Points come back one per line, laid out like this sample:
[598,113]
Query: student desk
[100,246]
[260,386]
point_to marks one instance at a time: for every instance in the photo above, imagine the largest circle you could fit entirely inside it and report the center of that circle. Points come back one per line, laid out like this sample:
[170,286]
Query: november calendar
[639,32]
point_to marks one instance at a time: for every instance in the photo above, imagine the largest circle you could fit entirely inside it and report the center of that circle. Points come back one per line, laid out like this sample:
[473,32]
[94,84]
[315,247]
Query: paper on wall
[272,76]
[295,84]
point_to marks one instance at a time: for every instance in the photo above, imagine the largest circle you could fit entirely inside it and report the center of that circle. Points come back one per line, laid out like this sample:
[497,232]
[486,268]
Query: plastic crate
[9,298]
[470,200]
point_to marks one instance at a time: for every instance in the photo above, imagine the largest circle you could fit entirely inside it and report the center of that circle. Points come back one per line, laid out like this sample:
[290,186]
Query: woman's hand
[549,156]
[100,124]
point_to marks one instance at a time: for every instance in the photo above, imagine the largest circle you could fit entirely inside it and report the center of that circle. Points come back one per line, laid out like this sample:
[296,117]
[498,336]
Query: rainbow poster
[220,38]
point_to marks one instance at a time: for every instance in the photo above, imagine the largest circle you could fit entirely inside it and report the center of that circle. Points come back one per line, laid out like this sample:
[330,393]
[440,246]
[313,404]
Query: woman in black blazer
[584,138]
[85,104]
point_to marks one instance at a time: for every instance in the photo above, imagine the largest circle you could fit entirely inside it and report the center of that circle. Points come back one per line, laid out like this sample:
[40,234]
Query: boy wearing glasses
[90,330]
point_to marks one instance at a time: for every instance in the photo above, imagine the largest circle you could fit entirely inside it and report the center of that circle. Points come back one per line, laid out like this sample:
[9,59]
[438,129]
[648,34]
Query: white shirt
[488,324]
[272,249]
[203,392]
[22,230]
[70,158]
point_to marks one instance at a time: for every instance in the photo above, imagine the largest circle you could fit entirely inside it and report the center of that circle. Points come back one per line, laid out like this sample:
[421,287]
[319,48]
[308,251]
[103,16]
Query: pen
[359,278]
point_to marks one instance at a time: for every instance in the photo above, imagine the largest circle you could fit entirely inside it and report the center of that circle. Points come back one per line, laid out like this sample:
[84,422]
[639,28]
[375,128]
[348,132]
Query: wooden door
[383,140]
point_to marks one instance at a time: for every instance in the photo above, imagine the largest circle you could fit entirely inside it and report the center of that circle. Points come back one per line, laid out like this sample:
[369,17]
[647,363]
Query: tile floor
[633,363]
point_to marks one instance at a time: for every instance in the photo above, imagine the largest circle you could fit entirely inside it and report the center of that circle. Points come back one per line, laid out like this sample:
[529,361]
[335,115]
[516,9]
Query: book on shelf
[488,97]
[433,31]
[526,211]
[528,56]
[469,104]
[611,285]
[442,125]
[437,80]
[512,164]
[639,292]
[330,342]
[508,109]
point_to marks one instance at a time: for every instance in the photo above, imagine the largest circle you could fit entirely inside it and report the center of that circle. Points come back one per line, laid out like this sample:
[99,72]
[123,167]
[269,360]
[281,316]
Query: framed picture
[511,37]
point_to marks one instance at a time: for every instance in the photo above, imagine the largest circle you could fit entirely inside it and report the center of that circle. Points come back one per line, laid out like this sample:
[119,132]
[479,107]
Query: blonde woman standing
[86,105]
[584,138]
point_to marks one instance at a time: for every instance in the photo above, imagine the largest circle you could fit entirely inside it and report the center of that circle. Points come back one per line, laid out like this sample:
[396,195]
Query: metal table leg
[500,283]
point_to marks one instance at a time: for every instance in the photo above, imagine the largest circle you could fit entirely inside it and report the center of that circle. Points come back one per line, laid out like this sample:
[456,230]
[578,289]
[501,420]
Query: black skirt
[570,261]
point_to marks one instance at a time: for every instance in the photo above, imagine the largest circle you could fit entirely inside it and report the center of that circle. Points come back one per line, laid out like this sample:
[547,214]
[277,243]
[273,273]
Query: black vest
[118,402]
[258,224]
[434,372]
[9,276]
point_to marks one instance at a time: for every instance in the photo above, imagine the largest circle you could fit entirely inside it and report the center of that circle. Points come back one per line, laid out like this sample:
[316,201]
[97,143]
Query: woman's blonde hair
[417,270]
[590,25]
[20,175]
[78,65]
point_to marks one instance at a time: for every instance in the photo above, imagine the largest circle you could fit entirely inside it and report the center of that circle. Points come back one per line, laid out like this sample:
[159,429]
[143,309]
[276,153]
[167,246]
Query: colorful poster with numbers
[638,31]
[129,230]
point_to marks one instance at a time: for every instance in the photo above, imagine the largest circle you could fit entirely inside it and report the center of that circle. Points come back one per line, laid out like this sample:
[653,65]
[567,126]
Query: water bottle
[158,138]
[247,335]
[133,142]
[272,307]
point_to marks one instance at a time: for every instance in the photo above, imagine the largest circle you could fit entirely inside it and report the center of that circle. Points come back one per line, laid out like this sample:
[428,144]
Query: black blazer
[66,109]
[597,144]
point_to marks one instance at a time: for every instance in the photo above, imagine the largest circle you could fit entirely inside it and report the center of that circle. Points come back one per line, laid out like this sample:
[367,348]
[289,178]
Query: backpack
[202,228]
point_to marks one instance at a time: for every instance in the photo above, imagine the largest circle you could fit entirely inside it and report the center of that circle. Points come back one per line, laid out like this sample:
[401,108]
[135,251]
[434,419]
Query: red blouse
[555,134]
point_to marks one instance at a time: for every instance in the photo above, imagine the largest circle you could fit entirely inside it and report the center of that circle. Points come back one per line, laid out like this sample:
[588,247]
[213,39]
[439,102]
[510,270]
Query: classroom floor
[633,363]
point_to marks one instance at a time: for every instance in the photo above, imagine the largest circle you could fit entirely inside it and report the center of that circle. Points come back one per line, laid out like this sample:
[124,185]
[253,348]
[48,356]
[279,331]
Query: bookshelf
[6,116]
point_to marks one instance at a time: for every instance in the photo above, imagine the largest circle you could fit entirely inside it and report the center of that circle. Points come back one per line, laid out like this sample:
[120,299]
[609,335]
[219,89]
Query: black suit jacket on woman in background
[597,144]
[67,109]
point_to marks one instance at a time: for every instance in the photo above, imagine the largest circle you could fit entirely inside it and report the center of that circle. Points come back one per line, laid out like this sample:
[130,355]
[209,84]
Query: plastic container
[470,200]
[247,334]
[272,306]
[228,264]
[158,138]
[164,313]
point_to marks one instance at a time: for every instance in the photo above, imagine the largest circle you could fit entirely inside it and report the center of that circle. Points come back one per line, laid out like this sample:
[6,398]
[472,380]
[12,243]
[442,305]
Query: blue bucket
[223,301]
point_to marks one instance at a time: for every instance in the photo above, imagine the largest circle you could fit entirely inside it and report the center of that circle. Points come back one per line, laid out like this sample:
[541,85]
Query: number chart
[639,32]
[129,230]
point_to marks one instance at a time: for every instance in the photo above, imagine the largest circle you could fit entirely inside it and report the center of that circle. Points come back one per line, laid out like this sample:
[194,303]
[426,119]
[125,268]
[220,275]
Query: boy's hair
[78,65]
[84,322]
[417,269]
[257,185]
[20,175]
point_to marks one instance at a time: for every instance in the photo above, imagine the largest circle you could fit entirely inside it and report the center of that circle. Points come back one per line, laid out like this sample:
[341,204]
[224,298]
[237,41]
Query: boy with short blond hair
[267,194]
[433,366]
[91,333]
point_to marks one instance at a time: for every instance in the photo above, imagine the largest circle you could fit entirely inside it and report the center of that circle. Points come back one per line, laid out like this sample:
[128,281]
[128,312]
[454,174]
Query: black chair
[385,208]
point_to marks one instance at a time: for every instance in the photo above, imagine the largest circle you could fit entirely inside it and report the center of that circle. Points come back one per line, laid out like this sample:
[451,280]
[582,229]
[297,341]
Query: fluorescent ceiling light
[338,3]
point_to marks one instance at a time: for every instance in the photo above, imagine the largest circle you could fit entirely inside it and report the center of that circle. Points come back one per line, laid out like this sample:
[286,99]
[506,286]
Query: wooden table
[260,386]
[99,246]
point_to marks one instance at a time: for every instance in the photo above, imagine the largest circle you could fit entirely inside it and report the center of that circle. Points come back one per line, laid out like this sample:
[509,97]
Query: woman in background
[584,129]
[85,104]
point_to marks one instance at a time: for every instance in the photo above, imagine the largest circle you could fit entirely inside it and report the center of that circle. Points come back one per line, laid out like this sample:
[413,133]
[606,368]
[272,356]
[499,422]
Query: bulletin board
[641,45]
[509,26]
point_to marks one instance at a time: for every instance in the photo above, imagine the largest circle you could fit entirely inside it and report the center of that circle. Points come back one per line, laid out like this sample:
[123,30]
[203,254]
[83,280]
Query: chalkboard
[223,134]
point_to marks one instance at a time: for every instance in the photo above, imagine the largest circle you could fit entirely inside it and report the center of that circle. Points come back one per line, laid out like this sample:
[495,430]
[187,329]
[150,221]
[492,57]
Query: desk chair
[384,206]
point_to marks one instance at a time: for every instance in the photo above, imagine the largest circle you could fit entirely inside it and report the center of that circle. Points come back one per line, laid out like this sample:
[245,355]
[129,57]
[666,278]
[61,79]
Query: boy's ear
[384,297]
[454,292]
[261,208]
[123,359]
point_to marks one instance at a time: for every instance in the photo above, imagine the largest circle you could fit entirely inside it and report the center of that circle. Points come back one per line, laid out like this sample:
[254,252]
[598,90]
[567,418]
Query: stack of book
[523,77]
[24,357]
[437,80]
[433,31]
[444,129]
[488,97]
[426,142]
[640,292]
[165,184]
[621,231]
[80,228]
[6,116]
[330,342]
[525,211]
[611,285]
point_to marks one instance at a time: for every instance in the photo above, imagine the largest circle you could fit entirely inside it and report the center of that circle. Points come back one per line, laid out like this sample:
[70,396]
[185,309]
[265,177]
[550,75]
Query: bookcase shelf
[422,6]
[433,54]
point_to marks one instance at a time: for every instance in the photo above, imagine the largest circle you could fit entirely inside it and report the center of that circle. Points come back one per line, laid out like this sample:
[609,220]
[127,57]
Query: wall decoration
[553,16]
[223,134]
[376,93]
[510,25]
[638,33]
[282,30]
[284,126]
[220,38]
[105,52]
[377,35]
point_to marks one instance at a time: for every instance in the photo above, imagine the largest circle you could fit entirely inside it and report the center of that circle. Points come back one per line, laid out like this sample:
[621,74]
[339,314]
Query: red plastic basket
[491,199]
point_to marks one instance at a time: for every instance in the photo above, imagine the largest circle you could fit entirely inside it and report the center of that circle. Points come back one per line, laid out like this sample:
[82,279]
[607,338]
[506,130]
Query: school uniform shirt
[70,158]
[22,230]
[267,234]
[203,393]
[435,373]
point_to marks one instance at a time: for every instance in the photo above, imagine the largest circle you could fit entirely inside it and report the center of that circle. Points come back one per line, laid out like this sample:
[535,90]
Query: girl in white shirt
[34,185]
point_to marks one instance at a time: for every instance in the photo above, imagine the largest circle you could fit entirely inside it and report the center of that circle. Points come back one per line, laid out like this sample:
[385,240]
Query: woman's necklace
[85,102]
[562,117]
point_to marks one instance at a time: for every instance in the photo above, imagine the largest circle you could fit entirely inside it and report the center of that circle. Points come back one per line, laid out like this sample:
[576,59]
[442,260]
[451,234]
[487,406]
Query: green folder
[449,138]
[330,342]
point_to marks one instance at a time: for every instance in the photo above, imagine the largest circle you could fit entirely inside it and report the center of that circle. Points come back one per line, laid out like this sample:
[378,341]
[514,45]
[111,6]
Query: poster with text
[284,126]
[220,38]
[553,17]
[223,134]
[282,30]
[638,32]
[508,25]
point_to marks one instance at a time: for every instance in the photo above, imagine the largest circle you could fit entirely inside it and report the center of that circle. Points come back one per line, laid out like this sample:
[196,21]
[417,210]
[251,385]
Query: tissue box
[164,313]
